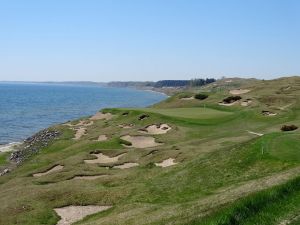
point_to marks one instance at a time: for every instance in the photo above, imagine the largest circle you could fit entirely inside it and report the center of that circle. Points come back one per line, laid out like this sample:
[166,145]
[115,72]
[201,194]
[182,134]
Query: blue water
[28,108]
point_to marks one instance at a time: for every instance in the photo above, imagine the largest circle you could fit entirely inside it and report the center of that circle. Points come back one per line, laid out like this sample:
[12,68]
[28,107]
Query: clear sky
[104,40]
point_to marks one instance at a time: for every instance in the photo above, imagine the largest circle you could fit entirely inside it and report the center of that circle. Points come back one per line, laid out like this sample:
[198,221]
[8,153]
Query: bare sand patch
[102,137]
[51,170]
[268,113]
[156,129]
[101,116]
[188,98]
[126,126]
[88,177]
[246,102]
[258,134]
[227,104]
[239,91]
[126,165]
[101,158]
[72,214]
[140,141]
[79,132]
[166,163]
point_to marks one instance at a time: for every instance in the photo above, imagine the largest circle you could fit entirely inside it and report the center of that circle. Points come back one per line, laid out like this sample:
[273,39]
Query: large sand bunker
[166,163]
[79,133]
[239,91]
[101,158]
[126,165]
[101,116]
[88,177]
[140,141]
[102,137]
[72,214]
[51,170]
[156,129]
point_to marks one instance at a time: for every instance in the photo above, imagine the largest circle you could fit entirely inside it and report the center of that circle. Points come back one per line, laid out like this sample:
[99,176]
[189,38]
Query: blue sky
[104,40]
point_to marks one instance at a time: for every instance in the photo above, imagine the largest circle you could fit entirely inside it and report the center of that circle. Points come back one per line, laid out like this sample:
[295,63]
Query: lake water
[28,108]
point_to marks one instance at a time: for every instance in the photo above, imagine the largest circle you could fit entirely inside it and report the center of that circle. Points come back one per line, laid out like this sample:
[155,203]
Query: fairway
[192,113]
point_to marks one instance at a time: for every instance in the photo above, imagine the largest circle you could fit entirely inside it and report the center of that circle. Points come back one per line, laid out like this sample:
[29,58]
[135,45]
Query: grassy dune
[233,164]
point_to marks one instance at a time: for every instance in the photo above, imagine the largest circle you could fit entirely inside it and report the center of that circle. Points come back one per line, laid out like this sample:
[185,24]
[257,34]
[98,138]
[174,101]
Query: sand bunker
[80,124]
[140,141]
[52,170]
[166,163]
[268,113]
[156,129]
[79,133]
[72,214]
[143,116]
[239,91]
[247,102]
[101,116]
[126,165]
[258,134]
[227,104]
[126,126]
[190,98]
[89,177]
[102,137]
[101,158]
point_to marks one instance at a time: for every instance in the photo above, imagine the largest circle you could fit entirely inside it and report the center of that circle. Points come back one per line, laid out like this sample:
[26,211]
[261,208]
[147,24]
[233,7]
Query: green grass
[266,208]
[192,113]
[218,164]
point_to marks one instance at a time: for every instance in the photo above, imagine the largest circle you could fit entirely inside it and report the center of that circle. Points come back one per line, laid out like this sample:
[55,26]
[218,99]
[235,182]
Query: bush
[201,96]
[232,99]
[289,127]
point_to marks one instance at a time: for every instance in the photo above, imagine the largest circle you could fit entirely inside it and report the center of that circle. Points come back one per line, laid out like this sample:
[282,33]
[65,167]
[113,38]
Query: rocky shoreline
[31,146]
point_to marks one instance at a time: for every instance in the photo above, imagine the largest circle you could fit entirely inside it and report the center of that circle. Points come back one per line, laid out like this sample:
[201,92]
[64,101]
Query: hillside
[220,160]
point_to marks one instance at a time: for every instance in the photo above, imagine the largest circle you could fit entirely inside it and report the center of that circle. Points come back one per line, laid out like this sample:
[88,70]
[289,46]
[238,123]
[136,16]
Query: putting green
[192,113]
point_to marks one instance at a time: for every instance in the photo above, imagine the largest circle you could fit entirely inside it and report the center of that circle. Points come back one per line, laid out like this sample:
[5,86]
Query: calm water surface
[28,108]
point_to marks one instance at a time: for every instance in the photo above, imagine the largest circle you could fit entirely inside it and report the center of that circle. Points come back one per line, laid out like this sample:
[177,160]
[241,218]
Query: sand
[9,147]
[88,177]
[239,91]
[156,129]
[140,141]
[246,103]
[258,134]
[166,163]
[186,99]
[79,133]
[126,126]
[101,158]
[102,137]
[101,116]
[52,170]
[268,113]
[72,214]
[80,124]
[227,104]
[126,165]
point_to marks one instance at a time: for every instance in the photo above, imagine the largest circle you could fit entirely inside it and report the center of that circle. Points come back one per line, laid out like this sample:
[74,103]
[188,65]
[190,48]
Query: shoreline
[10,146]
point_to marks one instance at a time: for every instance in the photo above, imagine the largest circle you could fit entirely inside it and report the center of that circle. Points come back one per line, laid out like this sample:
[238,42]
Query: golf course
[227,153]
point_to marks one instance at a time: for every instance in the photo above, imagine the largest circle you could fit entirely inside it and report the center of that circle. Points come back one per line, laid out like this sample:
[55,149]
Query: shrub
[289,127]
[232,99]
[201,96]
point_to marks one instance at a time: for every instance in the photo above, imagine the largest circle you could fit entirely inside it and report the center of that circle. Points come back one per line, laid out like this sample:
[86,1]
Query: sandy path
[140,141]
[166,163]
[52,170]
[239,91]
[126,165]
[156,129]
[101,116]
[101,158]
[72,214]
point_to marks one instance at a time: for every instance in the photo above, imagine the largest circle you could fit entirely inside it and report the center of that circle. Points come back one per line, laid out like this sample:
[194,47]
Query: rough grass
[219,162]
